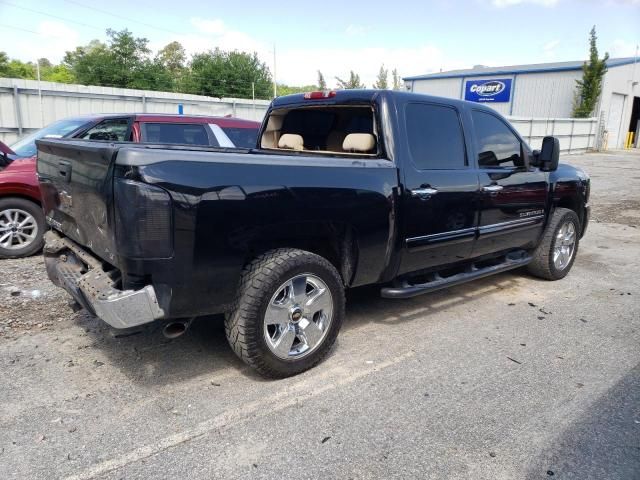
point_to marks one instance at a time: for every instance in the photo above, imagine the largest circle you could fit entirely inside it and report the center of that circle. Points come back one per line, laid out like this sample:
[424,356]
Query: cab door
[439,210]
[513,195]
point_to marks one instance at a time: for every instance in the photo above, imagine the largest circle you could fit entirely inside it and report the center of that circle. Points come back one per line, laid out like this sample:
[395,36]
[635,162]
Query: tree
[322,84]
[353,82]
[396,79]
[589,88]
[172,57]
[229,74]
[290,89]
[382,82]
[4,64]
[123,62]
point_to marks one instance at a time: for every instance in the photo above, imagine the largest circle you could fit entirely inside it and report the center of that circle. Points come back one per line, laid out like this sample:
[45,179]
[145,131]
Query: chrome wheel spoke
[5,239]
[299,289]
[285,341]
[311,333]
[318,300]
[276,314]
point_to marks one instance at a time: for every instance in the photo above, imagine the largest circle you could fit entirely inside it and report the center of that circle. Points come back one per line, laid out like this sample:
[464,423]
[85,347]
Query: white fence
[576,135]
[28,105]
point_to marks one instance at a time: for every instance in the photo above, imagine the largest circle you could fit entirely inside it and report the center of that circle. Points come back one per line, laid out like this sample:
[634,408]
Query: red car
[22,222]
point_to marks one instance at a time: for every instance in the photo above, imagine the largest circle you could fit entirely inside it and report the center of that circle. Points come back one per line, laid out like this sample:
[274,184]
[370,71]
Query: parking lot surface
[508,377]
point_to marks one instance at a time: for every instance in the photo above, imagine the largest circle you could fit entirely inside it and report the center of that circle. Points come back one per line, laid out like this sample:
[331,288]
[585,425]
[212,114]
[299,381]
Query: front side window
[175,133]
[114,130]
[496,144]
[435,137]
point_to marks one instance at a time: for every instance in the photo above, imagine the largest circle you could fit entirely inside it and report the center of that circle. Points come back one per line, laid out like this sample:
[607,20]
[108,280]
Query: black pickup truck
[411,192]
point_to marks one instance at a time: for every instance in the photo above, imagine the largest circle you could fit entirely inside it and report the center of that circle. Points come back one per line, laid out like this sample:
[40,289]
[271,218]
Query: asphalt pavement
[508,377]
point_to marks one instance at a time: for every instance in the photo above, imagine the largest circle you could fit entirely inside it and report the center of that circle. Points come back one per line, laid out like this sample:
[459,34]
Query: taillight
[143,220]
[319,95]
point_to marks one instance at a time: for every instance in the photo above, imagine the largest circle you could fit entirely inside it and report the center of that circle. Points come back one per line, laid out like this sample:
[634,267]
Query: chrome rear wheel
[298,317]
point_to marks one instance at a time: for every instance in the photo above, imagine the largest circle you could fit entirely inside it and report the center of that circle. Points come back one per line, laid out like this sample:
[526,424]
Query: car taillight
[143,220]
[319,95]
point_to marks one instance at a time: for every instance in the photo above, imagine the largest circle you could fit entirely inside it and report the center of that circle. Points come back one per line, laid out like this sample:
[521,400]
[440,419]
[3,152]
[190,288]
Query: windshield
[26,146]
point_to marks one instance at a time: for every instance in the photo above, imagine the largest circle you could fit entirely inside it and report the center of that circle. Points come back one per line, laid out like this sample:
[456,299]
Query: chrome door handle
[492,188]
[423,192]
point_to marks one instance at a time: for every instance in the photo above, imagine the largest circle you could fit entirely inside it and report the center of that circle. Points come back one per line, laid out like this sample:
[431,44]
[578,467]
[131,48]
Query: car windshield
[26,146]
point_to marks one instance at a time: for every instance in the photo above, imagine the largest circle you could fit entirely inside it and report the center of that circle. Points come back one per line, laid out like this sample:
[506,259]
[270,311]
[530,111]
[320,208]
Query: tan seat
[291,141]
[359,143]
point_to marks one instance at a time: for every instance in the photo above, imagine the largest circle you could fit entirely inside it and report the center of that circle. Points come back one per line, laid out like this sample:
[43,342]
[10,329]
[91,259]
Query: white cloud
[549,49]
[52,40]
[215,26]
[354,30]
[299,66]
[622,48]
[509,3]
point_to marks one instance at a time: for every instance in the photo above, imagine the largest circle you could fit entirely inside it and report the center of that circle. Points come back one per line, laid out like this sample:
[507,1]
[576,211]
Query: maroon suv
[22,222]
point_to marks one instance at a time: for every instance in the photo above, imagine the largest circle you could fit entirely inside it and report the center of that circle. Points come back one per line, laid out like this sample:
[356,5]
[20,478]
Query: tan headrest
[359,142]
[292,141]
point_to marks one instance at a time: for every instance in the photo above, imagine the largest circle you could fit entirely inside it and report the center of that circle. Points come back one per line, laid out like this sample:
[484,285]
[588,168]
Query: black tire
[35,211]
[261,278]
[542,264]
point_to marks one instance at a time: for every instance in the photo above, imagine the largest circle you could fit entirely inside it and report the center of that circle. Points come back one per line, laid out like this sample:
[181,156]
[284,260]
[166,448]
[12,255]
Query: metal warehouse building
[545,90]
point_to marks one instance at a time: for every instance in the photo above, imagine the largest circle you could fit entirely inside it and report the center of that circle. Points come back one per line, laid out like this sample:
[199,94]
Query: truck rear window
[333,130]
[179,133]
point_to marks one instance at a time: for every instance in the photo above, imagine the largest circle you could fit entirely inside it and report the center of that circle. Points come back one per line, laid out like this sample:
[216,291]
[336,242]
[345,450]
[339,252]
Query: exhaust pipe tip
[176,329]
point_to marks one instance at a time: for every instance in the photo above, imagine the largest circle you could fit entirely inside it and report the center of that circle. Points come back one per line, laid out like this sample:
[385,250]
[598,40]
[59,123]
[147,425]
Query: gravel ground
[507,377]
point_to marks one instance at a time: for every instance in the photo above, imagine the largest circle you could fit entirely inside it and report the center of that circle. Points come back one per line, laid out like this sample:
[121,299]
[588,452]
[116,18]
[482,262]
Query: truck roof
[367,96]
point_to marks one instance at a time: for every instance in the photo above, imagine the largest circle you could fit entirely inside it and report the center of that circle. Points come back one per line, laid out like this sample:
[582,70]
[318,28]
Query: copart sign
[494,90]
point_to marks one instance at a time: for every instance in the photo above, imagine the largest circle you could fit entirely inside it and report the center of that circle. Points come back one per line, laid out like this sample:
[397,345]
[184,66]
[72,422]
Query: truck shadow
[602,443]
[148,358]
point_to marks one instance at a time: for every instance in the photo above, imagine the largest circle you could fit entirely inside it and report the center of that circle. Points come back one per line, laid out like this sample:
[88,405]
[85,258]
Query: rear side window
[242,137]
[496,144]
[178,133]
[114,129]
[435,137]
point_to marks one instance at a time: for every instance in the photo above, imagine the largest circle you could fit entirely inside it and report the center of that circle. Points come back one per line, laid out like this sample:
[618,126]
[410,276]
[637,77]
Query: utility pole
[40,92]
[253,96]
[275,85]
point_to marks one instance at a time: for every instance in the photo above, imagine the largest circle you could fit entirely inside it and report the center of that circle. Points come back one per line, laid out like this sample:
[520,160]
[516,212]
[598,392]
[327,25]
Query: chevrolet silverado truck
[348,188]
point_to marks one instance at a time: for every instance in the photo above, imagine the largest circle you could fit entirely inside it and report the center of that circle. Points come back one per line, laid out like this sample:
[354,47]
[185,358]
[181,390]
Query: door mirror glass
[549,155]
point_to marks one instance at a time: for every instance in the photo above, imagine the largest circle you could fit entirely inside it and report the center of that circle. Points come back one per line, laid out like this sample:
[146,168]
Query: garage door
[615,119]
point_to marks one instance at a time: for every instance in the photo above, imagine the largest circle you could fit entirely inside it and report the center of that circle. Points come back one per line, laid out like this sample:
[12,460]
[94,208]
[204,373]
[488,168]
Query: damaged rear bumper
[84,277]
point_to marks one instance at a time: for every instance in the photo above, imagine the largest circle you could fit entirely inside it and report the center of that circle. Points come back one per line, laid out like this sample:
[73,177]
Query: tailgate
[76,179]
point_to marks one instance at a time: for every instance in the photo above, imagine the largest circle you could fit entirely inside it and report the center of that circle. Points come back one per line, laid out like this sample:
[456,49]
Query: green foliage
[322,84]
[229,74]
[353,82]
[288,89]
[396,79]
[382,82]
[57,73]
[589,88]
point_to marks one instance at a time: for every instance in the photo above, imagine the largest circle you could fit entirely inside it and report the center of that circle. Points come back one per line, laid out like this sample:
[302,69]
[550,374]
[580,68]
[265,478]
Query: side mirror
[549,155]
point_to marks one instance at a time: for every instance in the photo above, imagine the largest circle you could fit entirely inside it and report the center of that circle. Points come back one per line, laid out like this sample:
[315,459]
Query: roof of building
[481,70]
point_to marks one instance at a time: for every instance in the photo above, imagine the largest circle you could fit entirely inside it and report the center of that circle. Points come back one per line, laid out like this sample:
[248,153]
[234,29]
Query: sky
[413,36]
